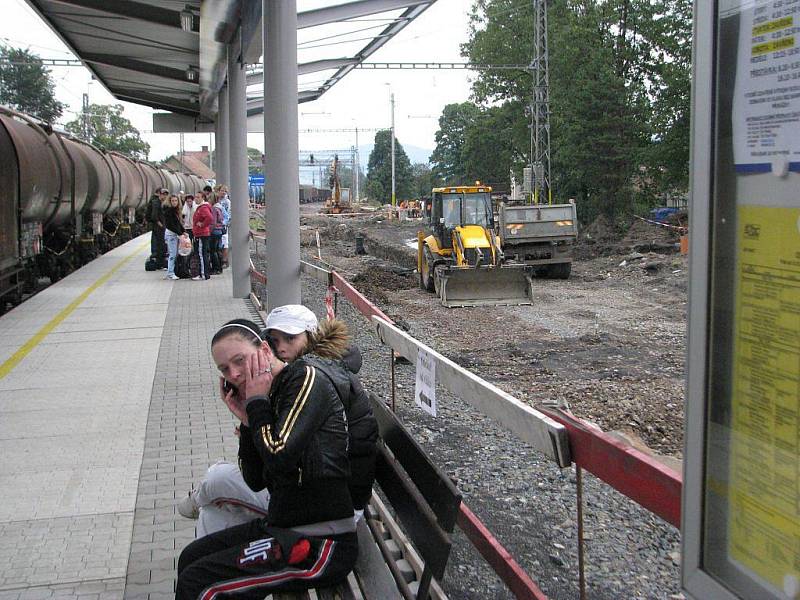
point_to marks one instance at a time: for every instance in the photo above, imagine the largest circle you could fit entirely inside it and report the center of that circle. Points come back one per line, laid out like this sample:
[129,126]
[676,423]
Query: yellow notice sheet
[764,517]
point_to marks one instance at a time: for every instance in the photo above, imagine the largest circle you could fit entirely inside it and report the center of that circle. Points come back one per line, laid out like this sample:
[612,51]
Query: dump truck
[540,235]
[460,257]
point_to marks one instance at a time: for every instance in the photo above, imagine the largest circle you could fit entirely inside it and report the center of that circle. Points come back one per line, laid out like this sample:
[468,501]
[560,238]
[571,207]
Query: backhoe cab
[461,258]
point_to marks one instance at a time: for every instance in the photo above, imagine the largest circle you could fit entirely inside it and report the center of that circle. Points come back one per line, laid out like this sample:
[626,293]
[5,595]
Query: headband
[242,327]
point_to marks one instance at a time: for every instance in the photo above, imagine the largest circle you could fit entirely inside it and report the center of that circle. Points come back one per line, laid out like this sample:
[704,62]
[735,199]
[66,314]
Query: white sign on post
[425,388]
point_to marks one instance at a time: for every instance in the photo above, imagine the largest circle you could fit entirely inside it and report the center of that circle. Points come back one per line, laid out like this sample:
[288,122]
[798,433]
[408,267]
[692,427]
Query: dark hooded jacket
[361,424]
[297,442]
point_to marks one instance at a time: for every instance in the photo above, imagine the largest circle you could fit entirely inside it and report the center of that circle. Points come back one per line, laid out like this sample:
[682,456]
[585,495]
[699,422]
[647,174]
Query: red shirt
[202,221]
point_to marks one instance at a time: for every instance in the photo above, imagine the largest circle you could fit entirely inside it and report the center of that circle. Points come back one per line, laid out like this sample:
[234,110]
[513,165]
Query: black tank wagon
[63,201]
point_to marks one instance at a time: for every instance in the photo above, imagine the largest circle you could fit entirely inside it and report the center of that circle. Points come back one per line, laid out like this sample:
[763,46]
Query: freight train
[63,201]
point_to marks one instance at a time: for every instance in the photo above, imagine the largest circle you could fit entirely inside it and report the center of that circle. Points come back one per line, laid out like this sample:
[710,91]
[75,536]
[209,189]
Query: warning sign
[425,387]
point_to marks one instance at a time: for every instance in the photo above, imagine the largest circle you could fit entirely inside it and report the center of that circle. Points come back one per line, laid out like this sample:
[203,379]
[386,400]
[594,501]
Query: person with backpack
[218,230]
[155,217]
[173,231]
[293,441]
[202,223]
[225,202]
[223,498]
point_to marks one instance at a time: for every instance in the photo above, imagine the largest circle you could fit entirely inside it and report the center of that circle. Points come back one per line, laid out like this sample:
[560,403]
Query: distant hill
[415,154]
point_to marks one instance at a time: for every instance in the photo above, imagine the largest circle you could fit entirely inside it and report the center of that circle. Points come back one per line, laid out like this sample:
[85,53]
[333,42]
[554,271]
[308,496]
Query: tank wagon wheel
[426,278]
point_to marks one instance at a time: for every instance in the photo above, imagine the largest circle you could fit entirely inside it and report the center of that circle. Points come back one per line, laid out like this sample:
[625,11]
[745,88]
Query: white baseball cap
[292,319]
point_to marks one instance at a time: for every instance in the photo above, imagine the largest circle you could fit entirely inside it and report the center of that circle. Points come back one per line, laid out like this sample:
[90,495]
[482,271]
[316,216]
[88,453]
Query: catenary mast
[540,132]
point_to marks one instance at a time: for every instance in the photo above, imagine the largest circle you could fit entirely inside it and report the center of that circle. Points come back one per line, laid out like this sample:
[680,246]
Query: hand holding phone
[230,396]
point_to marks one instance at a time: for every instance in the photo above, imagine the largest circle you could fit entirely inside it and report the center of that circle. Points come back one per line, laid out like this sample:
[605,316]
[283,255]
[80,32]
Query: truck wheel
[426,273]
[559,271]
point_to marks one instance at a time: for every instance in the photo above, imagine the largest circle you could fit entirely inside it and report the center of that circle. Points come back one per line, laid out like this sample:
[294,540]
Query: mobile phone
[228,386]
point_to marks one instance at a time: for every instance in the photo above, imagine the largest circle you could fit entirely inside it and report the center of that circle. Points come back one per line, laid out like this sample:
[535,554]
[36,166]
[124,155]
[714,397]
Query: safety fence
[562,437]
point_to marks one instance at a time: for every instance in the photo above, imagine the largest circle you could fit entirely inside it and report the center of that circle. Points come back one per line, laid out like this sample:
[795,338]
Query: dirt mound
[600,230]
[375,282]
[646,237]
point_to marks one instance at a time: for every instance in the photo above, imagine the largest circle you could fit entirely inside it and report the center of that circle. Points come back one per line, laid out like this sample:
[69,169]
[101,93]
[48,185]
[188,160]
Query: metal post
[356,169]
[394,198]
[392,377]
[239,228]
[282,208]
[182,169]
[223,138]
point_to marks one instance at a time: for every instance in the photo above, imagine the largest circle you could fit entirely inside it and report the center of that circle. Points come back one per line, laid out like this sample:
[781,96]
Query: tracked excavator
[461,259]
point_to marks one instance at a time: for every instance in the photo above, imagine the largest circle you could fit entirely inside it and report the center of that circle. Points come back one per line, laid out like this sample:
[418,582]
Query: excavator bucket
[476,286]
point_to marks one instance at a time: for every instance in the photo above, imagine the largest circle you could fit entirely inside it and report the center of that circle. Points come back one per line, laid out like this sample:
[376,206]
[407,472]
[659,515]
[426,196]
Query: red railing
[637,475]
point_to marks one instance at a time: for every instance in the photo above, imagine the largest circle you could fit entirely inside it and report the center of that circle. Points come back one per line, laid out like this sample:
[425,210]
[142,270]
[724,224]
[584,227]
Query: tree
[424,180]
[26,86]
[254,164]
[379,169]
[497,141]
[619,93]
[447,160]
[104,126]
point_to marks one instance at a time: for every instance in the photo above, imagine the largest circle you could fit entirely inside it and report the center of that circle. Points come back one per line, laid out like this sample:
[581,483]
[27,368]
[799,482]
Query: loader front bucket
[471,286]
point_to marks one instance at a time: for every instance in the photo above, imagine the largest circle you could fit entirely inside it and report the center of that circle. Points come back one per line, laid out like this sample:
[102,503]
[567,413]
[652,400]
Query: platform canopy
[172,54]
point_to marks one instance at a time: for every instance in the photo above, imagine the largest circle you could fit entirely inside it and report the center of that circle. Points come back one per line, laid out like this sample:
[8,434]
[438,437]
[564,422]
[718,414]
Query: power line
[399,66]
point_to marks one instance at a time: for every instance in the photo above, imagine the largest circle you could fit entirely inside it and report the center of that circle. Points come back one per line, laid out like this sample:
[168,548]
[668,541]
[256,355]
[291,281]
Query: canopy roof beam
[133,10]
[130,64]
[351,10]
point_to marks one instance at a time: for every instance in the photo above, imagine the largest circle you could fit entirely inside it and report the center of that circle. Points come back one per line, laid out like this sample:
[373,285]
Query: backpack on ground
[182,268]
[151,264]
[194,264]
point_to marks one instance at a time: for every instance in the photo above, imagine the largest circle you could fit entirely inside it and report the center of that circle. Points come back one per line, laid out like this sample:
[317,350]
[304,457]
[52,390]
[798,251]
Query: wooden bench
[404,539]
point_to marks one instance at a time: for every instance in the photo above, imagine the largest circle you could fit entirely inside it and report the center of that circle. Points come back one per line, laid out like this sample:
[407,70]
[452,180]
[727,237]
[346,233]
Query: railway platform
[108,413]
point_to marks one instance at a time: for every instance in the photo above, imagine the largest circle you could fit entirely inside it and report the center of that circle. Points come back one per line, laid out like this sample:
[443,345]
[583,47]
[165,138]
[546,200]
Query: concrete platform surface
[108,413]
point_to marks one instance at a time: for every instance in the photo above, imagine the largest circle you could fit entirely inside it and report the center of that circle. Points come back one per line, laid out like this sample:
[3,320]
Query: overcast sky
[360,99]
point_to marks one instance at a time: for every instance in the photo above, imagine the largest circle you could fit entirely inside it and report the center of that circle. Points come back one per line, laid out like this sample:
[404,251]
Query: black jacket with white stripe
[296,446]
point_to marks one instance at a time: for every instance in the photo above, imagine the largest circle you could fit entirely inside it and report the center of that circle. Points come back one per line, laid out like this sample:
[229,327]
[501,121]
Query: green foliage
[26,86]
[107,128]
[620,74]
[254,165]
[424,180]
[448,160]
[476,143]
[379,168]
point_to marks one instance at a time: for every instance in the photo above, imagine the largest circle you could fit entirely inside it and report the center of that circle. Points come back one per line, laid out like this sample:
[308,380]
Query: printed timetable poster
[766,103]
[764,477]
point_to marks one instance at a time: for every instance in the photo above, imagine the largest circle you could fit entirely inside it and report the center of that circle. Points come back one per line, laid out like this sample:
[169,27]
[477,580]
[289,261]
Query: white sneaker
[198,278]
[188,507]
[172,276]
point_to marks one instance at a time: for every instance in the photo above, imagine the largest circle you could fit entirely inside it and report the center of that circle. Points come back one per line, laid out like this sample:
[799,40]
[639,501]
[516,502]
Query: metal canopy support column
[223,138]
[239,229]
[282,210]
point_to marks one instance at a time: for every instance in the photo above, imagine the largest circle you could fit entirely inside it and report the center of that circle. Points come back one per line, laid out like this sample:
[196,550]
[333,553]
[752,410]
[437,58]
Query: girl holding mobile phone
[293,442]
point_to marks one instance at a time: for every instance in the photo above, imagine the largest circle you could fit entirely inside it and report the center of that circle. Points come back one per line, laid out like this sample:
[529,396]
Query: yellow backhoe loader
[461,258]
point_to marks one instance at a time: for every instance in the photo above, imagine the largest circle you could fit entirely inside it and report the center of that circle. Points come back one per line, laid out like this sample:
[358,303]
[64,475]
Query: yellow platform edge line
[37,338]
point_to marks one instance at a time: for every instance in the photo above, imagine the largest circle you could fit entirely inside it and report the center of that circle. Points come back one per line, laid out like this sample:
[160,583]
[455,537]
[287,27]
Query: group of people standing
[201,220]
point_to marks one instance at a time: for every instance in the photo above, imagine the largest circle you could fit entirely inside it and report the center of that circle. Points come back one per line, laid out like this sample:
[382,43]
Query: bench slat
[371,570]
[437,488]
[419,521]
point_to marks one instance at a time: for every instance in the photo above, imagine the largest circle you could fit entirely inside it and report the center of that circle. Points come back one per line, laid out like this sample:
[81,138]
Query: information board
[764,480]
[741,509]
